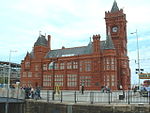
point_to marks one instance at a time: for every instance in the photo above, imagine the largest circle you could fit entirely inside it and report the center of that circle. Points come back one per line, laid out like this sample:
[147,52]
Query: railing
[125,97]
[15,93]
[118,97]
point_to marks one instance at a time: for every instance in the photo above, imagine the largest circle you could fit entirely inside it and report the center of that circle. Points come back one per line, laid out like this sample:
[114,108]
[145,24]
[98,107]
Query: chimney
[49,42]
[96,43]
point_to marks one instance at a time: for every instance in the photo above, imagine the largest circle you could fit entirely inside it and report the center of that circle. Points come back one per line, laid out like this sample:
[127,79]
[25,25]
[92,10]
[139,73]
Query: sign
[144,76]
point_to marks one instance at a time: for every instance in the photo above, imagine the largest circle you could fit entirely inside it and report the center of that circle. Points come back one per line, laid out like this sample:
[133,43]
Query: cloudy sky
[70,23]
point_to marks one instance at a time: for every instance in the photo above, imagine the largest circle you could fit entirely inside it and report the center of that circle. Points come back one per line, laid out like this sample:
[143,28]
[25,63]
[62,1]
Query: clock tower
[116,21]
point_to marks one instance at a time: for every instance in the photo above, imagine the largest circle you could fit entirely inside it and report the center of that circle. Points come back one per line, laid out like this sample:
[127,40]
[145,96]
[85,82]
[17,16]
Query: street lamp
[9,71]
[8,85]
[138,53]
[52,66]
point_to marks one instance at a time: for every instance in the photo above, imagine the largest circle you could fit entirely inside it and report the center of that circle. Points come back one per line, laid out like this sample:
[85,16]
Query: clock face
[115,29]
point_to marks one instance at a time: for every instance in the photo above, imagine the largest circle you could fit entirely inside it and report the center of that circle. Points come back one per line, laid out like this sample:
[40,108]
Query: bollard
[92,97]
[109,97]
[47,95]
[128,96]
[61,96]
[53,94]
[149,97]
[75,97]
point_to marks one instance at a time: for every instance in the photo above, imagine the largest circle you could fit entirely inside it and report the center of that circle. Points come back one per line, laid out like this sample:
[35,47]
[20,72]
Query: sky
[70,23]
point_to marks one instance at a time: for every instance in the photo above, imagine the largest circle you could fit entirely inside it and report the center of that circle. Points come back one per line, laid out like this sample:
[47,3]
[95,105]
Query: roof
[41,41]
[109,43]
[114,7]
[73,51]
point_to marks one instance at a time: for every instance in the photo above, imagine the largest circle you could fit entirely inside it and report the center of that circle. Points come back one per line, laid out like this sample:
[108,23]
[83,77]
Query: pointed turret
[41,41]
[114,7]
[109,43]
[27,57]
[41,46]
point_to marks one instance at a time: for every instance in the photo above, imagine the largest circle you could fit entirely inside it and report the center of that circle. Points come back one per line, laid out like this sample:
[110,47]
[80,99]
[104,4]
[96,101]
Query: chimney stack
[49,42]
[96,43]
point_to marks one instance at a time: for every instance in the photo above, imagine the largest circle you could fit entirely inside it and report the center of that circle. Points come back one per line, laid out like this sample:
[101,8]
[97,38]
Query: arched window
[51,65]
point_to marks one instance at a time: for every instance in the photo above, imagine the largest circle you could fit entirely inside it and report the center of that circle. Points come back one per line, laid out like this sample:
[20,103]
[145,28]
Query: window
[59,80]
[27,64]
[56,65]
[47,80]
[108,83]
[69,65]
[62,65]
[37,75]
[71,80]
[75,65]
[108,67]
[53,65]
[29,84]
[36,67]
[112,67]
[112,83]
[107,78]
[112,78]
[112,61]
[107,60]
[44,66]
[81,66]
[85,80]
[24,74]
[29,74]
[87,65]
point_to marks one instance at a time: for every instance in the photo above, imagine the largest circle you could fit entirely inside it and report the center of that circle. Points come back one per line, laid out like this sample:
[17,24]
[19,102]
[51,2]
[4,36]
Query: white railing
[16,93]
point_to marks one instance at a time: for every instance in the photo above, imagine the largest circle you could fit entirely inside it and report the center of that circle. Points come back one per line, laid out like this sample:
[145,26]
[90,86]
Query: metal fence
[15,93]
[126,97]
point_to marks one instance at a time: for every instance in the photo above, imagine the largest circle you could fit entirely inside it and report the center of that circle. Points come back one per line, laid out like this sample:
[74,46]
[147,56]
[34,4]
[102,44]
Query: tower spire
[39,33]
[114,7]
[109,43]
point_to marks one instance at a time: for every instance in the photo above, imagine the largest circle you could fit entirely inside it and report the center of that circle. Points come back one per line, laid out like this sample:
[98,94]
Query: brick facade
[100,63]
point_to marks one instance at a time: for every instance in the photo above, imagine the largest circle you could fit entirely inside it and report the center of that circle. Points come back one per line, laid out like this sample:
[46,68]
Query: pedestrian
[82,90]
[102,89]
[38,92]
[108,90]
[135,89]
[32,93]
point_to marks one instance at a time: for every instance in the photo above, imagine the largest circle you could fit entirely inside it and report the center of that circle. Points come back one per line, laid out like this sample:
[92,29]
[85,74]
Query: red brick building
[100,63]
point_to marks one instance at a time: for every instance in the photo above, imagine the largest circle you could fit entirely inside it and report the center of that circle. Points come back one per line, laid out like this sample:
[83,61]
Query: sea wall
[51,107]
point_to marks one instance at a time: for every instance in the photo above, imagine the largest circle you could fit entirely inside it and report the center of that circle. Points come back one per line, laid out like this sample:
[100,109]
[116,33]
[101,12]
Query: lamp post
[52,66]
[9,71]
[138,53]
[8,81]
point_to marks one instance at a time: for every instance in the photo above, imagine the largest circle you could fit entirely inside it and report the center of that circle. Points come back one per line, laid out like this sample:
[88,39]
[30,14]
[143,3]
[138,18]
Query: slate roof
[32,54]
[41,41]
[73,51]
[109,43]
[114,7]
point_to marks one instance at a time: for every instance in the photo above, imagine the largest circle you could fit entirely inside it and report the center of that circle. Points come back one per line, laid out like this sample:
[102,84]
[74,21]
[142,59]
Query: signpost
[144,76]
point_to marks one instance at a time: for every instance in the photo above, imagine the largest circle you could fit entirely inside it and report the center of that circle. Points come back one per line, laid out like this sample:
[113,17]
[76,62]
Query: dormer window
[27,64]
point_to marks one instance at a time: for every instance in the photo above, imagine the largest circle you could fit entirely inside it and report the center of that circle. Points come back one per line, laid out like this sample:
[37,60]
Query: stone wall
[13,107]
[43,107]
